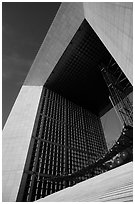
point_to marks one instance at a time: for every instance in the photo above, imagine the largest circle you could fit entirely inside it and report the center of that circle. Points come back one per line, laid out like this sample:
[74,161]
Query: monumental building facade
[55,126]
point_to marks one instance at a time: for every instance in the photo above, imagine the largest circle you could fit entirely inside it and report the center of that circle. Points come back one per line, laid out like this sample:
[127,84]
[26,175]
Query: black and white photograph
[67,101]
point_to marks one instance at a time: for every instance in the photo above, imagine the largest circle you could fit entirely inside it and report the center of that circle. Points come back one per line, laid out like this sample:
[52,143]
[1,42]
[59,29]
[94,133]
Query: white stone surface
[67,21]
[113,186]
[16,137]
[113,23]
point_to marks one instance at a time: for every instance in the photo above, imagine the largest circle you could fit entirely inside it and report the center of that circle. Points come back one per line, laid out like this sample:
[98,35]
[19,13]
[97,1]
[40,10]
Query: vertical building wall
[16,137]
[65,139]
[113,23]
[18,128]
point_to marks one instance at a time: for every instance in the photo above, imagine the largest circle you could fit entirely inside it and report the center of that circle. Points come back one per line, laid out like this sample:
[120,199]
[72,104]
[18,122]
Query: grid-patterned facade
[65,138]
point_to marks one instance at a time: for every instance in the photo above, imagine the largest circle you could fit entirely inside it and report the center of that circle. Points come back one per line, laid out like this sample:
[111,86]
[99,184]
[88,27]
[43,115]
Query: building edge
[113,23]
[16,138]
[66,22]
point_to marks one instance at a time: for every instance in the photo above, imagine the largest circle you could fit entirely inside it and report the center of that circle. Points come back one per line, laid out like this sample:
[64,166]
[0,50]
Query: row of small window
[66,104]
[55,96]
[47,152]
[74,116]
[55,111]
[95,150]
[58,98]
[74,113]
[41,188]
[94,141]
[43,105]
[77,155]
[94,137]
[39,127]
[76,165]
[76,137]
[54,126]
[74,122]
[53,130]
[70,121]
[56,166]
[53,151]
[84,142]
[83,130]
[57,133]
[78,146]
[92,128]
[77,158]
[74,130]
[49,124]
[59,113]
[51,169]
[51,157]
[57,155]
[57,137]
[95,144]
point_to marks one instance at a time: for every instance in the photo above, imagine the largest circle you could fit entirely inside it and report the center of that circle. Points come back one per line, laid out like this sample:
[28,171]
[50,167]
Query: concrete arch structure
[117,37]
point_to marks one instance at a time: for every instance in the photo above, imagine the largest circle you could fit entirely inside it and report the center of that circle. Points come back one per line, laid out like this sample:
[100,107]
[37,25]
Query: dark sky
[24,26]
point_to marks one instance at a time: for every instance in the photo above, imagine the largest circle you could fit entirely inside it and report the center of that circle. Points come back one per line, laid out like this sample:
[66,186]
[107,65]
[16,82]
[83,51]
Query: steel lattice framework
[119,86]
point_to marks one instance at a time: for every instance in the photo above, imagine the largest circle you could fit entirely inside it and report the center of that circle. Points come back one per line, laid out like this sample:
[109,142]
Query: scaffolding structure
[119,87]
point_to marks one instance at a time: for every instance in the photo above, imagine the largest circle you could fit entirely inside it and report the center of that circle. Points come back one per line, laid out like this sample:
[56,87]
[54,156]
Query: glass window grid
[52,159]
